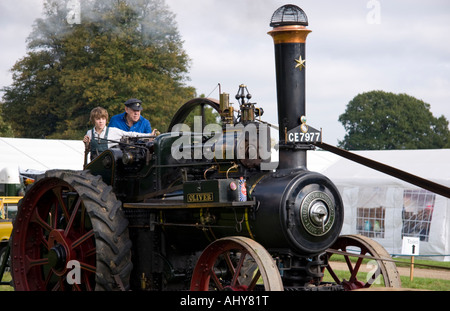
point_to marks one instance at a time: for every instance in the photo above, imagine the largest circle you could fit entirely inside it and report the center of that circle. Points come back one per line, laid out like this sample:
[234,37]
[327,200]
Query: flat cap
[134,104]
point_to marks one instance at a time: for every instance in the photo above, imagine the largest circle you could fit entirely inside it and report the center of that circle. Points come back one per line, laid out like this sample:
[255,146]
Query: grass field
[6,278]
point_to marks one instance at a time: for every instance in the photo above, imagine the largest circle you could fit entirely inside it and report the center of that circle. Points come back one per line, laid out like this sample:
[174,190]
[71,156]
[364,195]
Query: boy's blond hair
[98,113]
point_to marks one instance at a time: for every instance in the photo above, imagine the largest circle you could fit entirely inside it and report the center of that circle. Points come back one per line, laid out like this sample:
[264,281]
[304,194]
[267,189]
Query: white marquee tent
[39,155]
[388,209]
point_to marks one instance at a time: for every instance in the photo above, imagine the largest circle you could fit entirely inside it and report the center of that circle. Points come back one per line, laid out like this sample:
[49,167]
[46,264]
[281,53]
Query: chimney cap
[289,14]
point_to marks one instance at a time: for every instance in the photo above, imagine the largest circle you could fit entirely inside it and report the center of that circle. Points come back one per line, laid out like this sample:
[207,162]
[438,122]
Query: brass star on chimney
[300,63]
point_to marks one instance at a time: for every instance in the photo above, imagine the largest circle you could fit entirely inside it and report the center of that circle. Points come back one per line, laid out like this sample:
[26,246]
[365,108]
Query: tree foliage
[121,49]
[5,128]
[379,120]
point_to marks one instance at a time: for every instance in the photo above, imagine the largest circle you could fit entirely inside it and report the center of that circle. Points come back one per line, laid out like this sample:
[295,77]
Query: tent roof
[38,154]
[428,164]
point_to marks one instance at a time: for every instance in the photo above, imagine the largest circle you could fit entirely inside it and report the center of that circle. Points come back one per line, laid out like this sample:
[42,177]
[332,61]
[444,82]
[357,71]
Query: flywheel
[189,108]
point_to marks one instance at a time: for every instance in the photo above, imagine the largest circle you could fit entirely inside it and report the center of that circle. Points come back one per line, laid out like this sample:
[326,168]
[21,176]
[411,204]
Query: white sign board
[410,246]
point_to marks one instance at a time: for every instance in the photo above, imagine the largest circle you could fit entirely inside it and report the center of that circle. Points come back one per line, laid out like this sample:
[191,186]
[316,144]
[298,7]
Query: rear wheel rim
[70,234]
[54,235]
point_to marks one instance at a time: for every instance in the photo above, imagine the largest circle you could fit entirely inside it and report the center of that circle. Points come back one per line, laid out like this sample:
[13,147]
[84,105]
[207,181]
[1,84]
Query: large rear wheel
[70,235]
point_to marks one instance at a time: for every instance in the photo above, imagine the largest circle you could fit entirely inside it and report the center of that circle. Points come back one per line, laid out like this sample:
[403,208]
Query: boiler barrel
[301,211]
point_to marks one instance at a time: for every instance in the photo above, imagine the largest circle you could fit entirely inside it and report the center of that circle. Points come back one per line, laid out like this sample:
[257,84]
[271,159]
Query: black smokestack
[289,34]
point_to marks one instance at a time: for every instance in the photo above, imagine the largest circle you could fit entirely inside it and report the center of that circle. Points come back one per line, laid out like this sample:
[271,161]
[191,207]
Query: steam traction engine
[198,209]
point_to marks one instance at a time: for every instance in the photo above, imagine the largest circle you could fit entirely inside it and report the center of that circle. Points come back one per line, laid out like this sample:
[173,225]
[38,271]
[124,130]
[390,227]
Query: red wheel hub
[59,253]
[352,285]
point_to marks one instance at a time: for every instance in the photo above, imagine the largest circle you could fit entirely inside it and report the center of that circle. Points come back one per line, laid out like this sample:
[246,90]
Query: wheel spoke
[59,285]
[57,191]
[85,237]
[90,252]
[49,276]
[31,263]
[229,262]
[238,269]
[333,274]
[349,264]
[355,271]
[72,217]
[36,218]
[255,279]
[87,267]
[215,279]
[86,282]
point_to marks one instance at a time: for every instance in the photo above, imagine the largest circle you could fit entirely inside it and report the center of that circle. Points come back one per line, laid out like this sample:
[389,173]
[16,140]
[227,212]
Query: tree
[121,49]
[379,120]
[5,129]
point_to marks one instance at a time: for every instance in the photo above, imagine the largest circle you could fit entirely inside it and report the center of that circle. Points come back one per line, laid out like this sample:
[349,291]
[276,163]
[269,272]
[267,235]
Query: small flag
[242,190]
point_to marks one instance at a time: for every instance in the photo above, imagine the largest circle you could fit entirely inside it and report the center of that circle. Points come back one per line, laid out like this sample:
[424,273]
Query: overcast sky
[399,46]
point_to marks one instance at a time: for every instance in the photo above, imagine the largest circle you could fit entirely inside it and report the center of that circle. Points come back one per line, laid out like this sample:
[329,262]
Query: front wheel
[236,264]
[357,246]
[70,235]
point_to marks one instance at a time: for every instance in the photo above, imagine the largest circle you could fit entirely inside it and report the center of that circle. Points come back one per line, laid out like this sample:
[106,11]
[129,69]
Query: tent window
[418,206]
[370,222]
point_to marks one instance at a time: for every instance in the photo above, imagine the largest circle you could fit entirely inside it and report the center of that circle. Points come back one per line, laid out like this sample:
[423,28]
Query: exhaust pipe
[289,34]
